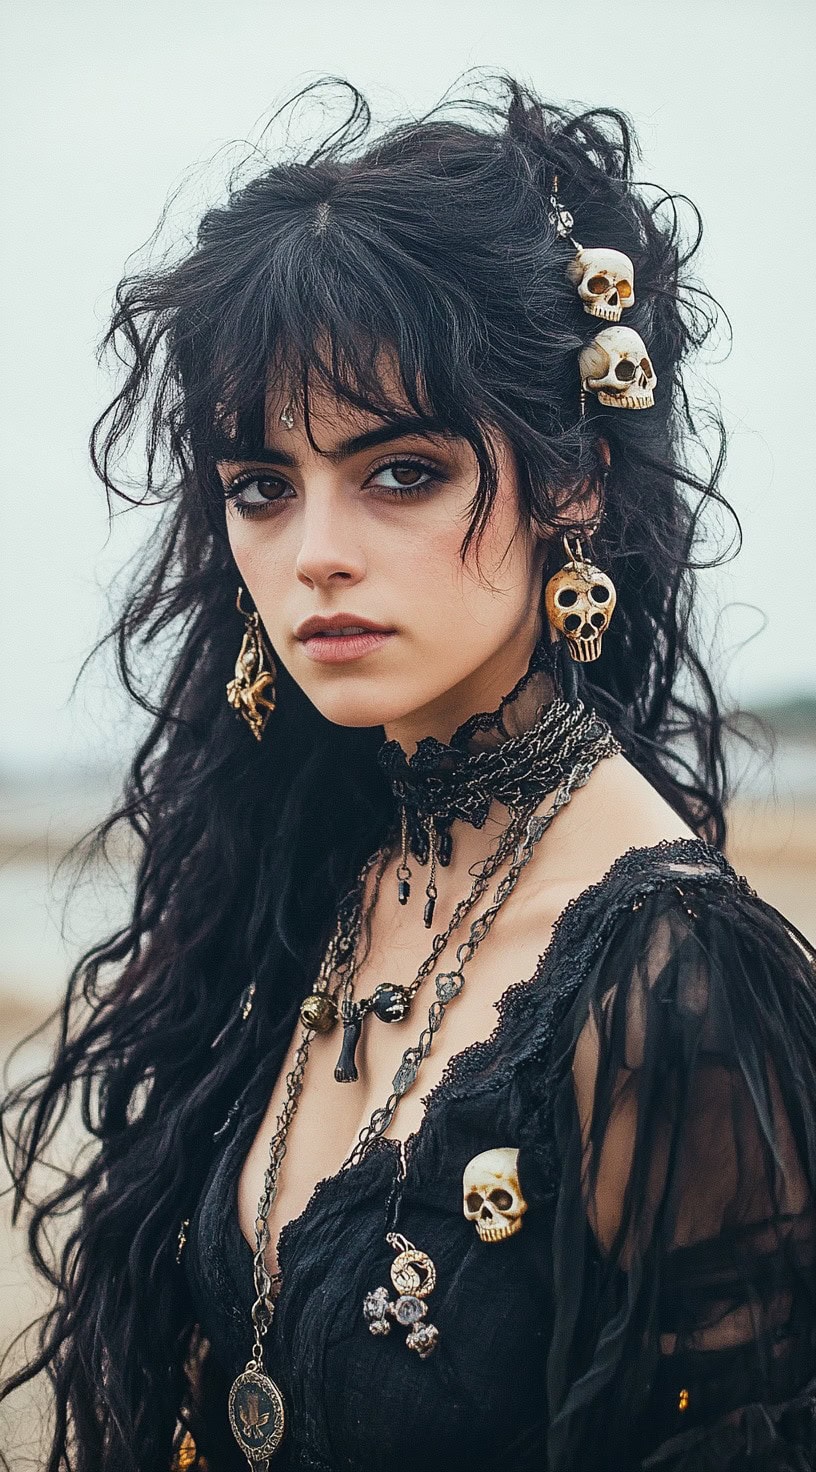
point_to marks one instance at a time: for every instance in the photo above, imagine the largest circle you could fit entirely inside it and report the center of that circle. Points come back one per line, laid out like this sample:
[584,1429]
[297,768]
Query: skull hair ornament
[617,367]
[580,600]
[605,281]
[492,1197]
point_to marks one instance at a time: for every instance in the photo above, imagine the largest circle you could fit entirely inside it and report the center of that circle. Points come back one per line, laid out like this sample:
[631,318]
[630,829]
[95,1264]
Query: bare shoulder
[617,810]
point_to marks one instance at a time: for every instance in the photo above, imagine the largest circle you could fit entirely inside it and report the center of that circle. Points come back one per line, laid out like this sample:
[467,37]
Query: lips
[338,624]
[340,633]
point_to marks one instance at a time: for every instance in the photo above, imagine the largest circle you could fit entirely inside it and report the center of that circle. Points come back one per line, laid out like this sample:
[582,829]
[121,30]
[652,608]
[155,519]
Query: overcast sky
[107,109]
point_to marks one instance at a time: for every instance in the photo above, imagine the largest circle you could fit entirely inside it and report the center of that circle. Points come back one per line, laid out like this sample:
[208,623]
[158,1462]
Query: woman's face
[373,532]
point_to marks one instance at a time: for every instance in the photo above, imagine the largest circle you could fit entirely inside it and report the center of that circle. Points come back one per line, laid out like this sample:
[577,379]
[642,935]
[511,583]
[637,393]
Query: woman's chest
[359,1391]
[329,1116]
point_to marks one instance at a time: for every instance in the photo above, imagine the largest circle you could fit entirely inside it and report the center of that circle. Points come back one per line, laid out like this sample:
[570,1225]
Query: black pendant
[420,847]
[346,1069]
[403,890]
[390,1003]
[429,912]
[257,1415]
[444,847]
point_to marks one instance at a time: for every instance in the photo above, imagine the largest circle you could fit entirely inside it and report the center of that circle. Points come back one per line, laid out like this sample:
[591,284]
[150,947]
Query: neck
[498,763]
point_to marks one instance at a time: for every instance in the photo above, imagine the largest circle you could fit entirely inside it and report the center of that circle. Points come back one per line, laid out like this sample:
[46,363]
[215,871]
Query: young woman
[452,1098]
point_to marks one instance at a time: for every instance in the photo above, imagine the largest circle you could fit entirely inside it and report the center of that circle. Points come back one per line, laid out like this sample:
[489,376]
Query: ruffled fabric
[683,1105]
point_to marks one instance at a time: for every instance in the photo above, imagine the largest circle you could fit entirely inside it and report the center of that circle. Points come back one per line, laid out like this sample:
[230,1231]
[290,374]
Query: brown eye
[250,491]
[409,477]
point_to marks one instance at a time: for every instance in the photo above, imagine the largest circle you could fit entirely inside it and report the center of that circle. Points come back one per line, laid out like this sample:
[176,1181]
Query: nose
[330,548]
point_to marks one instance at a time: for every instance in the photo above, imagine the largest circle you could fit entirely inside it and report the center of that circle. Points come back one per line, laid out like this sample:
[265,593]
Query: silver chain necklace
[443,781]
[256,1406]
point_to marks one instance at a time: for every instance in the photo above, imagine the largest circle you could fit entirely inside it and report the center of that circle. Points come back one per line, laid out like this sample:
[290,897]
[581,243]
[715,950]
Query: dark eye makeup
[236,487]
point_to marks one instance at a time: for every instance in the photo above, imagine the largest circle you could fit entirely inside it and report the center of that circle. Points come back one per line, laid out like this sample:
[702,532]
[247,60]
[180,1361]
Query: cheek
[261,562]
[497,570]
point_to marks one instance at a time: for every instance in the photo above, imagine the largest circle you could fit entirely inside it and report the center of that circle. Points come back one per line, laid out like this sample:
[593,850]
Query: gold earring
[580,601]
[245,692]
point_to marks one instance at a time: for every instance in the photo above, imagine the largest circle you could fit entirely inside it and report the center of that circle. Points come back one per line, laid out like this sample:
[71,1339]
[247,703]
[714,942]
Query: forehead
[321,406]
[319,410]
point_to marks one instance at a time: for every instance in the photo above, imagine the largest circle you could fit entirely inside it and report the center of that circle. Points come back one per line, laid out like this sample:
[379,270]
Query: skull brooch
[492,1197]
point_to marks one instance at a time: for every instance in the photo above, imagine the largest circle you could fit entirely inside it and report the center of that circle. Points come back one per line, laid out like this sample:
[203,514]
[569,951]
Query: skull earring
[580,601]
[246,692]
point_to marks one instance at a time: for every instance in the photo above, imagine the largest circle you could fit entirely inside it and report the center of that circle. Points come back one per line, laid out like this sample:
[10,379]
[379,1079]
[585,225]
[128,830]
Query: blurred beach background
[111,113]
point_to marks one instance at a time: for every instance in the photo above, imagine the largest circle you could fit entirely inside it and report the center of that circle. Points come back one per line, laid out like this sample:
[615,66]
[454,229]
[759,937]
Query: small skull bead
[605,281]
[492,1197]
[617,367]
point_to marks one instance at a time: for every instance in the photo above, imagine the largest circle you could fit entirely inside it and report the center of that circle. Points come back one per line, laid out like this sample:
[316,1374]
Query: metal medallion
[257,1415]
[407,1279]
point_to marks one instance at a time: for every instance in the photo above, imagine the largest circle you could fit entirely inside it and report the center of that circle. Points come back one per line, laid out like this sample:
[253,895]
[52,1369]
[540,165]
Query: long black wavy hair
[438,243]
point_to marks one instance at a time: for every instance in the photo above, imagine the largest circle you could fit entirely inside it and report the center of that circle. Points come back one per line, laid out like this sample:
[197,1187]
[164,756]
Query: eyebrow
[383,434]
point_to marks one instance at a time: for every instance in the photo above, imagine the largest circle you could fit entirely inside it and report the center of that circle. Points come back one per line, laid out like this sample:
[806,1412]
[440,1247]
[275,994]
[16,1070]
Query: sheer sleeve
[684,1098]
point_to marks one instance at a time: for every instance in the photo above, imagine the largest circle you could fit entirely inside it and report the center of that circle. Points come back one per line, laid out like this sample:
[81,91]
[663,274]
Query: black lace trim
[636,873]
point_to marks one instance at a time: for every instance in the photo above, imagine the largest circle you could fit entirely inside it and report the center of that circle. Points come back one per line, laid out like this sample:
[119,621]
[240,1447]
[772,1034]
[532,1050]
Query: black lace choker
[515,755]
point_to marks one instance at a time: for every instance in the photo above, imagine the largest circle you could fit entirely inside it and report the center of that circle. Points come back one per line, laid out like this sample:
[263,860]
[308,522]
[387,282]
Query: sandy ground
[773,844]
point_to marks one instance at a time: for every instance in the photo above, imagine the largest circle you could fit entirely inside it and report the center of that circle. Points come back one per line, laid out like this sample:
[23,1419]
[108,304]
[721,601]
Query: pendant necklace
[256,1406]
[523,769]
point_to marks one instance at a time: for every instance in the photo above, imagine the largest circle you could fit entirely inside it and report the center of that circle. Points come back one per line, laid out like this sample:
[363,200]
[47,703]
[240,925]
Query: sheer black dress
[657,1310]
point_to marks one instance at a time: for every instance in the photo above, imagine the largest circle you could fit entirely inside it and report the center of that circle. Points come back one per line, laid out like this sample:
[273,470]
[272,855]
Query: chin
[360,702]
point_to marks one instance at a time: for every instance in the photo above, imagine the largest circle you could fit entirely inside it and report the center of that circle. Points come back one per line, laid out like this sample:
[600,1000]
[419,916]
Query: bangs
[331,314]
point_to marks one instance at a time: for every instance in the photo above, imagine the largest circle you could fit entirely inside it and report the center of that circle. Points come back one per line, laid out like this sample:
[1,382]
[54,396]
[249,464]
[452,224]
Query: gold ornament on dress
[187,1456]
[580,600]
[413,1275]
[246,692]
